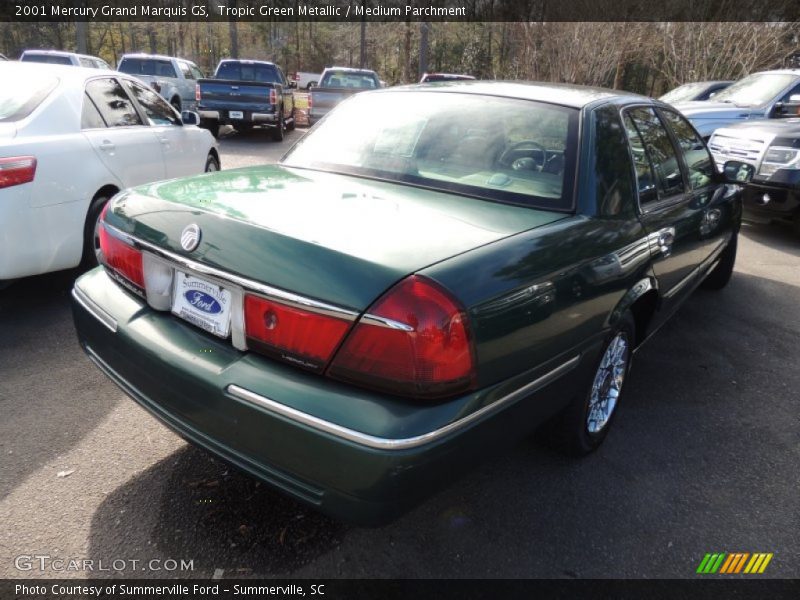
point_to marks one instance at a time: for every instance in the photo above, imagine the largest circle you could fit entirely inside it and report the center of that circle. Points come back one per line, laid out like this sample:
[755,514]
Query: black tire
[212,126]
[719,277]
[572,430]
[279,130]
[212,164]
[176,104]
[91,240]
[291,124]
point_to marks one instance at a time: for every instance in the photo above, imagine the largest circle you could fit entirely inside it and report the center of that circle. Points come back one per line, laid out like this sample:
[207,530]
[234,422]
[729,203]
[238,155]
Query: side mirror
[189,117]
[786,110]
[738,172]
[292,85]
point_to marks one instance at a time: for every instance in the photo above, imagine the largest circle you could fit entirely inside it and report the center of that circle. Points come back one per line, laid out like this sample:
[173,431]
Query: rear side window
[695,154]
[613,177]
[23,94]
[50,59]
[113,103]
[197,73]
[88,63]
[187,72]
[147,66]
[90,116]
[248,72]
[653,140]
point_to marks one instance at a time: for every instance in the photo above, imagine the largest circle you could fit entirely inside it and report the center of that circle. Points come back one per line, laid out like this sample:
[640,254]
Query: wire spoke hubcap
[608,383]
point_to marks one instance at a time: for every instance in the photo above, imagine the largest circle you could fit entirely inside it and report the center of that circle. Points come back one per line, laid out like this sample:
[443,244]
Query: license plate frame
[203,303]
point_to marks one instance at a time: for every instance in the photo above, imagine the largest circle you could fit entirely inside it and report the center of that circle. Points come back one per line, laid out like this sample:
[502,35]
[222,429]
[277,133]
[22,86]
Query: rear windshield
[346,79]
[147,66]
[501,149]
[23,94]
[50,59]
[248,72]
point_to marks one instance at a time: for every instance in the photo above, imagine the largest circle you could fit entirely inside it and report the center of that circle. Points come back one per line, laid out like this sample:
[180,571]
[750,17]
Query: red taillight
[418,346]
[197,95]
[119,256]
[273,96]
[301,337]
[17,170]
[309,101]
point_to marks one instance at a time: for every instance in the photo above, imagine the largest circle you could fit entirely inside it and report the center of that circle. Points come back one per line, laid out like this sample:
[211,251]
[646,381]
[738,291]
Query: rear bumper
[248,117]
[357,456]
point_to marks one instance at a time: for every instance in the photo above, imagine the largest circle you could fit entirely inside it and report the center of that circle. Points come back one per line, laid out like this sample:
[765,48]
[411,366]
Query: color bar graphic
[734,562]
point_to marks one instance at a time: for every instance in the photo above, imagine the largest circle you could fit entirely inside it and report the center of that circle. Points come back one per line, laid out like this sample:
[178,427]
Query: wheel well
[176,100]
[643,310]
[107,191]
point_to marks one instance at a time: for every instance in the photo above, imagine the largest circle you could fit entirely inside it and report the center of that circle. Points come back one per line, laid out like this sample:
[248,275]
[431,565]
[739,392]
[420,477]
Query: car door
[179,146]
[120,137]
[673,221]
[706,187]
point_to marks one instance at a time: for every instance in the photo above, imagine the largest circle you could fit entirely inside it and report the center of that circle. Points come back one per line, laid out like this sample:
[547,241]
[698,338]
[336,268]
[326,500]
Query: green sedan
[428,276]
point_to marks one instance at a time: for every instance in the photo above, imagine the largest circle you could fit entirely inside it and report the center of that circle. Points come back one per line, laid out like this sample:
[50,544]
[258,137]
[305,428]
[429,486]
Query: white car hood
[712,110]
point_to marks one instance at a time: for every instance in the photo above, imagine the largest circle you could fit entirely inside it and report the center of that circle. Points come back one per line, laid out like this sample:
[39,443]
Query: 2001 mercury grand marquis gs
[429,274]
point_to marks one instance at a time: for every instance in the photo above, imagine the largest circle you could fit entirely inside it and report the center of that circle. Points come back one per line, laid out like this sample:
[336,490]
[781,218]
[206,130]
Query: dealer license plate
[236,114]
[202,303]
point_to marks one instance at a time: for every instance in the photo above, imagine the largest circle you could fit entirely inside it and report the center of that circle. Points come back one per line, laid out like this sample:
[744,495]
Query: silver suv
[173,78]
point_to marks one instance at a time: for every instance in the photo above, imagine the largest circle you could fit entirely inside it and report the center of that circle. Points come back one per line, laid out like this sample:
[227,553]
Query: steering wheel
[527,155]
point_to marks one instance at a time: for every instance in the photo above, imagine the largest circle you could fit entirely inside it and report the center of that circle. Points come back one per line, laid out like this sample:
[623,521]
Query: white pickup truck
[765,95]
[174,78]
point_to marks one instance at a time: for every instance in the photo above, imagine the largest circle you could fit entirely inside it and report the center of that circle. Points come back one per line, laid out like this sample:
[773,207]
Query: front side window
[196,73]
[696,157]
[113,103]
[155,107]
[501,149]
[658,150]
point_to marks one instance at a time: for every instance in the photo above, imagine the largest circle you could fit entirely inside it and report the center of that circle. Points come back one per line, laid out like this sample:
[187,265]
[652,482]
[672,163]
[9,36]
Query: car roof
[574,96]
[63,72]
[155,56]
[778,72]
[350,70]
[247,61]
[58,53]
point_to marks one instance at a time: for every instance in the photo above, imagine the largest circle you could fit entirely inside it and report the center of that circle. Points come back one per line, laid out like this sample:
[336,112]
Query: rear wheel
[212,164]
[91,233]
[291,123]
[720,275]
[584,424]
[212,126]
[280,128]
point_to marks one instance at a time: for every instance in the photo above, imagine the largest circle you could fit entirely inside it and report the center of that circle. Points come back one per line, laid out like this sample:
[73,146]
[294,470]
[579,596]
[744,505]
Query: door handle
[666,237]
[107,146]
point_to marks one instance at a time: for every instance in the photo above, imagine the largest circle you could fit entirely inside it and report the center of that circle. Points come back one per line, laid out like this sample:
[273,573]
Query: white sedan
[70,138]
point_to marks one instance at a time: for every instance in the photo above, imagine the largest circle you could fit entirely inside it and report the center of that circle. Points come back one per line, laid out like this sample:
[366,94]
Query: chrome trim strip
[384,322]
[380,443]
[270,292]
[93,309]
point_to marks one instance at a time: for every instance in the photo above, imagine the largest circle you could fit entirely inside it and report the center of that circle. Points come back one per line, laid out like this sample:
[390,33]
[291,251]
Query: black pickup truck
[245,94]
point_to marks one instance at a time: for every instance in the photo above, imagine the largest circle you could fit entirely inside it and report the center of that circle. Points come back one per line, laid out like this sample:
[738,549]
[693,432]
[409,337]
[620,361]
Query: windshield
[756,90]
[23,94]
[502,149]
[349,79]
[684,93]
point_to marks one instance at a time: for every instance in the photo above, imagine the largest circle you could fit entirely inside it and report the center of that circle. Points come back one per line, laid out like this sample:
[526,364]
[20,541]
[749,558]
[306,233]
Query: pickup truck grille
[725,148]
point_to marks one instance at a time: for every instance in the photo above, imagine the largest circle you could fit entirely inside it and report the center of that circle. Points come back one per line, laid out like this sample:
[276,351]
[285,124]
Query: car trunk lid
[340,239]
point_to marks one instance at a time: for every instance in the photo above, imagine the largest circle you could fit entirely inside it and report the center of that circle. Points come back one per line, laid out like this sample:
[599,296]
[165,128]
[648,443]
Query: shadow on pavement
[50,394]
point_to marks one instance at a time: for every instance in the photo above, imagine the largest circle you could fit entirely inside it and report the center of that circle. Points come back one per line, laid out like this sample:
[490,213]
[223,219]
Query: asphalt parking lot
[703,458]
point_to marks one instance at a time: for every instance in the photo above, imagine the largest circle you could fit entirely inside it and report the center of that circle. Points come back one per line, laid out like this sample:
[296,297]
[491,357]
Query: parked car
[757,96]
[173,78]
[70,138]
[336,84]
[246,94]
[439,77]
[773,148]
[304,80]
[696,90]
[394,301]
[58,57]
